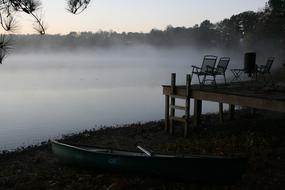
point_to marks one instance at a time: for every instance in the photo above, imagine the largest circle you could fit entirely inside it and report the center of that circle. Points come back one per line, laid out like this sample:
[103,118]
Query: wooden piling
[166,124]
[232,111]
[221,112]
[187,106]
[197,112]
[172,102]
[252,112]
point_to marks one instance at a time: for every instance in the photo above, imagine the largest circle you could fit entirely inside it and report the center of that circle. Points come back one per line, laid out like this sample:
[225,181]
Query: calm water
[45,95]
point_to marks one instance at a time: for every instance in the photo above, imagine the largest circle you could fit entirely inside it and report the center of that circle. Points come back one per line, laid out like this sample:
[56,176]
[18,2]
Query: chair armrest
[194,66]
[210,69]
[237,70]
[217,69]
[195,69]
[260,68]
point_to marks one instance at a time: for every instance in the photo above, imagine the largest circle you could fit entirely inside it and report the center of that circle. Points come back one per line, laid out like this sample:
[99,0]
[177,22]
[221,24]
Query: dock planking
[247,94]
[242,95]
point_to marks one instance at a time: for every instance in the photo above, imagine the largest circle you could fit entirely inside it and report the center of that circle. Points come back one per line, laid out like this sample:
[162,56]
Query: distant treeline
[265,28]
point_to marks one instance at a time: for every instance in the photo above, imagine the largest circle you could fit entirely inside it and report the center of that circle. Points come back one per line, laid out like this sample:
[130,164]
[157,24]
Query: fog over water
[47,94]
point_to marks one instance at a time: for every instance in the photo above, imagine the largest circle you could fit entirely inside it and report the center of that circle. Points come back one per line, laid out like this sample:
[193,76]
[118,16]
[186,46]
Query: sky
[135,15]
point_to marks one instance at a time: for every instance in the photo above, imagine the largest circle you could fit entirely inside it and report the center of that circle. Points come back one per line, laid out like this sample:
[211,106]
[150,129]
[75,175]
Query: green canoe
[215,169]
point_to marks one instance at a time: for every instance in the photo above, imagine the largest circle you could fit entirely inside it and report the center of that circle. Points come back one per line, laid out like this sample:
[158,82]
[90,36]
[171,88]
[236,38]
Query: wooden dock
[247,94]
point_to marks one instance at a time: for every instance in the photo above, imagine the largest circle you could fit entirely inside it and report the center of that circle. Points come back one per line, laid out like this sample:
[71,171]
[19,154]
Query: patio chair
[264,70]
[207,69]
[222,67]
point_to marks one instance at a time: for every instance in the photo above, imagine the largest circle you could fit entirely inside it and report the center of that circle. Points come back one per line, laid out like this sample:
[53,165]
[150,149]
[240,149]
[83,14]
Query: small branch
[8,23]
[41,29]
[29,7]
[5,47]
[77,6]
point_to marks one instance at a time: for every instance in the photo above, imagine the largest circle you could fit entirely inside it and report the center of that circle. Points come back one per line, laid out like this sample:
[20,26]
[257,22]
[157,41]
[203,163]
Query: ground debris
[263,143]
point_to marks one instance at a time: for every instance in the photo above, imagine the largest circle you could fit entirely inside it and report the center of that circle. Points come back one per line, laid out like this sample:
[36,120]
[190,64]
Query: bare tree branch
[29,7]
[77,6]
[5,46]
[39,25]
[8,9]
[8,23]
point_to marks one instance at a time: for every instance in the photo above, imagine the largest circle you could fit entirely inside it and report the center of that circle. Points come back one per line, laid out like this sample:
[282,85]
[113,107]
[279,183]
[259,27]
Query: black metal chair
[207,69]
[222,67]
[264,70]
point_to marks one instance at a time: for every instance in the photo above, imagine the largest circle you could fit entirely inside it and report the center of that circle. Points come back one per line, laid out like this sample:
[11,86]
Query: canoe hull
[196,168]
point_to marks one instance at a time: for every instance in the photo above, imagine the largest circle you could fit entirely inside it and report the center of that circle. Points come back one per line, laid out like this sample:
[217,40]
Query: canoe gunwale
[119,152]
[216,169]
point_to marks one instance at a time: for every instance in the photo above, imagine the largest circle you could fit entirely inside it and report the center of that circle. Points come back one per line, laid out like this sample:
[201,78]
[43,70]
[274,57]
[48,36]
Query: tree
[277,5]
[276,16]
[271,25]
[207,34]
[9,8]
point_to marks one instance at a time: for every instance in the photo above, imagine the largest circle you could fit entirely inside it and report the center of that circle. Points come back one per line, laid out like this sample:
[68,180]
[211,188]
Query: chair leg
[215,83]
[264,78]
[257,77]
[199,79]
[204,79]
[225,79]
[271,79]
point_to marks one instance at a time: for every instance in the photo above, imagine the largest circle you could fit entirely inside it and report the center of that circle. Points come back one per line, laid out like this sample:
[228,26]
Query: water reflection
[47,95]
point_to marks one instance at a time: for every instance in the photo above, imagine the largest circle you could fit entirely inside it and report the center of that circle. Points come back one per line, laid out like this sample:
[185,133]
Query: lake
[47,94]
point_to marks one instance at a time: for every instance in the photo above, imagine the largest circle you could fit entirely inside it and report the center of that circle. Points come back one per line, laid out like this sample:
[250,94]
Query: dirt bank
[260,137]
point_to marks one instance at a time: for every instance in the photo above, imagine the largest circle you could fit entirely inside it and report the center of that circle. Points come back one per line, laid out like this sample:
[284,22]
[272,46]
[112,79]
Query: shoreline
[36,167]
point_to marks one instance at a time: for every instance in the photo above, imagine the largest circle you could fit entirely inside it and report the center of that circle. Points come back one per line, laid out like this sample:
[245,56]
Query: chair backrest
[209,63]
[268,64]
[223,65]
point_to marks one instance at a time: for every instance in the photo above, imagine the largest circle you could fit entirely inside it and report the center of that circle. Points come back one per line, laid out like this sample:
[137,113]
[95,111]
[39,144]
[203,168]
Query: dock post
[187,105]
[232,111]
[197,112]
[166,120]
[252,112]
[221,112]
[172,102]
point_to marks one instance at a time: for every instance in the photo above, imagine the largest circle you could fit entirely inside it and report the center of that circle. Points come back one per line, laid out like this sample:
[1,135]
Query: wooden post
[187,105]
[166,120]
[221,112]
[172,101]
[232,111]
[197,112]
[252,112]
